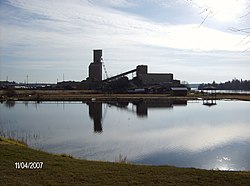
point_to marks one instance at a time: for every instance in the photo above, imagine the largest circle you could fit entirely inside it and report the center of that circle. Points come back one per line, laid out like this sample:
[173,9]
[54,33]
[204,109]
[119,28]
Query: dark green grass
[64,170]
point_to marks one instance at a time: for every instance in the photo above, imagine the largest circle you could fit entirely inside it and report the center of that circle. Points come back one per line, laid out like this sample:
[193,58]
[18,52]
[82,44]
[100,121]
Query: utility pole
[63,77]
[27,79]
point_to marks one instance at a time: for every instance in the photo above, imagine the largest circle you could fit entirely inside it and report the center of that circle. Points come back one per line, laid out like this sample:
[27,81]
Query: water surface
[183,134]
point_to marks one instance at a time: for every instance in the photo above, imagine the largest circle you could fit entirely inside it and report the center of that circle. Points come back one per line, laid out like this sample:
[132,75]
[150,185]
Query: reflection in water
[141,109]
[209,97]
[95,109]
[209,102]
[143,106]
[95,113]
[10,103]
[188,136]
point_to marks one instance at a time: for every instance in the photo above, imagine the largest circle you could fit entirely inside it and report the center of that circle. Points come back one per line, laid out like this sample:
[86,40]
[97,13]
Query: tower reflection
[95,109]
[95,113]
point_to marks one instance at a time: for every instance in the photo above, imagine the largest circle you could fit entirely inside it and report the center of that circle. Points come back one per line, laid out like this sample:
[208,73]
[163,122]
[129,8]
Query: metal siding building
[155,78]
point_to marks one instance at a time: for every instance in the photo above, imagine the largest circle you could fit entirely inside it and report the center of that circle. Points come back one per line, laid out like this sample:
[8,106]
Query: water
[183,134]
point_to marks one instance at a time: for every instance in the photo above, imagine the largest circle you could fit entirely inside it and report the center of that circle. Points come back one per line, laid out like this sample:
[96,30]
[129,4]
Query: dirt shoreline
[80,95]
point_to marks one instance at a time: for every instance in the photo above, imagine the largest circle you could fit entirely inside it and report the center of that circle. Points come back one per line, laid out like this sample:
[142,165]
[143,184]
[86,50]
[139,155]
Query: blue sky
[45,39]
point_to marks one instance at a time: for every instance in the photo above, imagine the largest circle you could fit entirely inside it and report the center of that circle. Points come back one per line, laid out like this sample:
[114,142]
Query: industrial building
[143,82]
[152,78]
[152,82]
[95,72]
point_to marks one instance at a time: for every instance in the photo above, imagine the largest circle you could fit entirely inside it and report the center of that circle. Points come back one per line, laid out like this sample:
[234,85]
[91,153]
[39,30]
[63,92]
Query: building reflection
[10,103]
[95,113]
[141,109]
[209,96]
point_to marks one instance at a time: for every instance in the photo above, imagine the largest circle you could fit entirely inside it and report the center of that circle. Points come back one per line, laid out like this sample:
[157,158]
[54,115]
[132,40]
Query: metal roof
[179,88]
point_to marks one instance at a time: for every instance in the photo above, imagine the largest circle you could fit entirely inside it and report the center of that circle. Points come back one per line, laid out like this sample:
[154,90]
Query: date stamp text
[29,165]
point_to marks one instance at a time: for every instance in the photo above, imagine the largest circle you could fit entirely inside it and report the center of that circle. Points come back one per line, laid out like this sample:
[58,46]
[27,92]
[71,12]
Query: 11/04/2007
[29,165]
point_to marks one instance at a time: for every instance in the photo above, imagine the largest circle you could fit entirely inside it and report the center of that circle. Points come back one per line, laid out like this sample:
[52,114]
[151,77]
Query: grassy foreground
[64,170]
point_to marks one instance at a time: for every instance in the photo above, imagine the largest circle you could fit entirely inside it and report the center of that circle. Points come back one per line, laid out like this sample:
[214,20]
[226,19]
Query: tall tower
[95,68]
[141,69]
[97,56]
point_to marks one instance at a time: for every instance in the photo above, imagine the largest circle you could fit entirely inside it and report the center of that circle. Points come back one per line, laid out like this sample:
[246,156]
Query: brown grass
[85,95]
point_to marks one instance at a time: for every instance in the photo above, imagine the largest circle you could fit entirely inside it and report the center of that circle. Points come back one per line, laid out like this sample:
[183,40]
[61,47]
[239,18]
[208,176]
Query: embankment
[79,95]
[65,170]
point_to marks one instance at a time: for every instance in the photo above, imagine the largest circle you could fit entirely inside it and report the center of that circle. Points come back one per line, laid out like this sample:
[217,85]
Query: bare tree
[209,13]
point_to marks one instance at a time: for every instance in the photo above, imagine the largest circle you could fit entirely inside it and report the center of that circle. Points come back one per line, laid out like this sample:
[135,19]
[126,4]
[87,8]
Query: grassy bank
[64,170]
[81,95]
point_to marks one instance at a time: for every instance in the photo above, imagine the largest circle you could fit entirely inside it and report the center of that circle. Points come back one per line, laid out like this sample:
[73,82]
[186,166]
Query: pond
[178,133]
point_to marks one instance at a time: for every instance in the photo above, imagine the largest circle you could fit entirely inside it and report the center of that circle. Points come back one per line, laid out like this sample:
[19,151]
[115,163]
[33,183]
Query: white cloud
[114,3]
[69,22]
[57,29]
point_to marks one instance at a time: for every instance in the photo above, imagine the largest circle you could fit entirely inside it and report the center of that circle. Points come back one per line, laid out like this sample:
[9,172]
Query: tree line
[235,84]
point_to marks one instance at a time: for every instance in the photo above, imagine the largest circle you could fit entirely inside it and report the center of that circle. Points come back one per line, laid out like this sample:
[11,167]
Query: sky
[196,40]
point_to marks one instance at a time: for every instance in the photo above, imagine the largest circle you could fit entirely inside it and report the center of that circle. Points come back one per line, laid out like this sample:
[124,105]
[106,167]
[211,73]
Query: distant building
[7,84]
[179,91]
